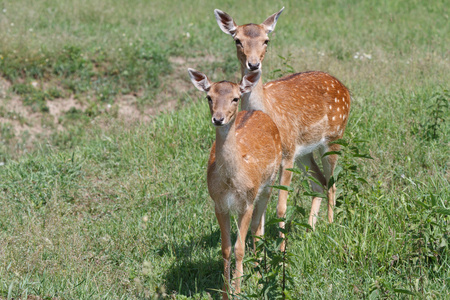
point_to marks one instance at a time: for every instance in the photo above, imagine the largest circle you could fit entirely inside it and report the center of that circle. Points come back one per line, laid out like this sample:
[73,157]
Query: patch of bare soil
[58,107]
[21,120]
[175,88]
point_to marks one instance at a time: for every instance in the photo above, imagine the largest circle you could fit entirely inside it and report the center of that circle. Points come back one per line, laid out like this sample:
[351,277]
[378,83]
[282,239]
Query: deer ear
[199,80]
[249,81]
[271,21]
[225,22]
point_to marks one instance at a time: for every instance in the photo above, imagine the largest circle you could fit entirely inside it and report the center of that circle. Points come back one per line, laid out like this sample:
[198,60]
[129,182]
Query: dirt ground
[19,122]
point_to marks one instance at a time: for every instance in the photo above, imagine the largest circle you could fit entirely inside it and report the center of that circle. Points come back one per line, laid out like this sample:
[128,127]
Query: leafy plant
[429,231]
[271,263]
[438,110]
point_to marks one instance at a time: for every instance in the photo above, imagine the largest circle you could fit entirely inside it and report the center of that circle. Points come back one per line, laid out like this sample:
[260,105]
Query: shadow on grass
[199,267]
[195,273]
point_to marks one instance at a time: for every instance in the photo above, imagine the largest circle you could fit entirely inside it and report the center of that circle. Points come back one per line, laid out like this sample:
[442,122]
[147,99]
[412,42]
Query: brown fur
[252,31]
[257,142]
[300,101]
[242,166]
[310,110]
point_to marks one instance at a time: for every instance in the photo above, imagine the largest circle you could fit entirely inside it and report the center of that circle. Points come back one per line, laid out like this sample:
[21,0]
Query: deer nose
[254,66]
[218,121]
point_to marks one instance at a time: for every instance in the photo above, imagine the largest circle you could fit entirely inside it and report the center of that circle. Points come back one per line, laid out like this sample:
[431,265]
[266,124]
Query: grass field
[104,145]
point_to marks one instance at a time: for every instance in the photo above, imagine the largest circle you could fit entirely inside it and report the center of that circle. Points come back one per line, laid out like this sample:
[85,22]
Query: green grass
[105,208]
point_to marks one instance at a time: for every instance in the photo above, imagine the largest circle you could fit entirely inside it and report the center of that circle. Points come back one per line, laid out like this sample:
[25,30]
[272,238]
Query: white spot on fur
[336,100]
[338,109]
[345,117]
[339,92]
[332,118]
[330,107]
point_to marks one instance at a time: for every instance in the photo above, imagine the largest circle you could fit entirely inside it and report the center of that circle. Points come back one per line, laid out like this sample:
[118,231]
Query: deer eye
[235,99]
[238,42]
[209,99]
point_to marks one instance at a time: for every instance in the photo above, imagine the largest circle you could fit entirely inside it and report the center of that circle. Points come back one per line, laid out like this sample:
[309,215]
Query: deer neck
[255,99]
[226,149]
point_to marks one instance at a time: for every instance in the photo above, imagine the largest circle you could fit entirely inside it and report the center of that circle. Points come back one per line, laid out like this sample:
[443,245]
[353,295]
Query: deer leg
[258,219]
[224,223]
[239,247]
[285,179]
[308,161]
[329,163]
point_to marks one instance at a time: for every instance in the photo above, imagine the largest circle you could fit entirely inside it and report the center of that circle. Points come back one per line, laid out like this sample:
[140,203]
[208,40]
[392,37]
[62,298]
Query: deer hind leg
[329,163]
[239,248]
[285,179]
[225,228]
[308,161]
[259,211]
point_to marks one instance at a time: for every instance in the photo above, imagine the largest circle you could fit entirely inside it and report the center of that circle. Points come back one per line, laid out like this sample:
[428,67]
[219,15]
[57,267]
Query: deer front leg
[239,248]
[224,223]
[331,202]
[285,179]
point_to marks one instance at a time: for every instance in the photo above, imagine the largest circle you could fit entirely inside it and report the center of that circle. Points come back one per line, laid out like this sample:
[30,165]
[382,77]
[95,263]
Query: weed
[272,265]
[429,232]
[285,69]
[54,93]
[438,111]
[37,101]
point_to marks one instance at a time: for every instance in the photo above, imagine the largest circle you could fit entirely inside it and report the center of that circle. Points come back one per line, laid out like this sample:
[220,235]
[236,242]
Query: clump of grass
[138,66]
[36,97]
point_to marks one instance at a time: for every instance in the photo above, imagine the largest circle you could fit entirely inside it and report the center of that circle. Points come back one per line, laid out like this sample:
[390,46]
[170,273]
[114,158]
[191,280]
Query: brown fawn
[310,110]
[242,166]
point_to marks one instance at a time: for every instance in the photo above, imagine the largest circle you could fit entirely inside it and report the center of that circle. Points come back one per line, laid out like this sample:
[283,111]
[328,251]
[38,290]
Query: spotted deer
[242,166]
[310,109]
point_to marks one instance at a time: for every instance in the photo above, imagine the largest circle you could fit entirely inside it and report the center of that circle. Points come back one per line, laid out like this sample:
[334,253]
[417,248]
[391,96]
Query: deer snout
[253,66]
[218,120]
